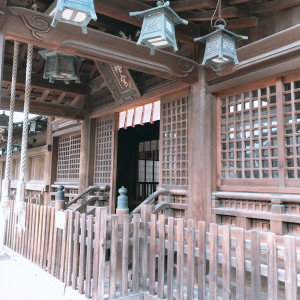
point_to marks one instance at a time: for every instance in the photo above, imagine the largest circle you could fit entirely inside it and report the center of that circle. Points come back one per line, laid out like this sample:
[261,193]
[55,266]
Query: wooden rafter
[98,46]
[273,6]
[242,23]
[193,4]
[76,100]
[45,108]
[61,98]
[45,95]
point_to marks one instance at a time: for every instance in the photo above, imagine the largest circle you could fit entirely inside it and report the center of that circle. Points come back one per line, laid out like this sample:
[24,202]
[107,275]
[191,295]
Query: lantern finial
[158,29]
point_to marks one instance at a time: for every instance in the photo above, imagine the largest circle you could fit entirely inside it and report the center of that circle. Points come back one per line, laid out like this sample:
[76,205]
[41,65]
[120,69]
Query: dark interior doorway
[138,161]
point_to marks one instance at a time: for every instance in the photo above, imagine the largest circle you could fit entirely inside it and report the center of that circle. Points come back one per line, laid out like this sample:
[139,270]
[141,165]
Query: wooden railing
[171,258]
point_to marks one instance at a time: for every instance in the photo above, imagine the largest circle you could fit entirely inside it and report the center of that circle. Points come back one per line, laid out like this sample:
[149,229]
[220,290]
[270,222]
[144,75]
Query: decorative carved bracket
[119,81]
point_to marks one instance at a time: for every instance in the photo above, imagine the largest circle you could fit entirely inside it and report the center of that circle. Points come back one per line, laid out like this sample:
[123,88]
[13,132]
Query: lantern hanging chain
[218,7]
[12,109]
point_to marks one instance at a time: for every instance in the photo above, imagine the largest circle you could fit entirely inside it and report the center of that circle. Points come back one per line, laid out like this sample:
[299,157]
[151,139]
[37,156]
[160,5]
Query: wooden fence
[167,258]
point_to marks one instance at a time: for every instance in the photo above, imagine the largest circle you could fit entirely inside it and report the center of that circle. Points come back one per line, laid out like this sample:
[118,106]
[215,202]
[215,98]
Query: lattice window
[292,128]
[68,163]
[227,220]
[249,135]
[245,204]
[104,144]
[174,136]
[260,224]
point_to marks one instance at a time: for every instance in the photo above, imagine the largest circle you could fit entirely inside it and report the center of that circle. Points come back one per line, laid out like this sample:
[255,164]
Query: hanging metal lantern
[74,12]
[158,29]
[60,66]
[220,46]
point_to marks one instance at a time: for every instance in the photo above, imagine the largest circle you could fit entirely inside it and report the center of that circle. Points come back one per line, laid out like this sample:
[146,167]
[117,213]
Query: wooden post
[200,157]
[48,161]
[2,51]
[84,153]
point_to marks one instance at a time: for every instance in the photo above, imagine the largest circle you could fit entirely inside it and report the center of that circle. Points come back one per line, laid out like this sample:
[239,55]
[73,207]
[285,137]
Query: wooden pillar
[201,159]
[48,161]
[84,153]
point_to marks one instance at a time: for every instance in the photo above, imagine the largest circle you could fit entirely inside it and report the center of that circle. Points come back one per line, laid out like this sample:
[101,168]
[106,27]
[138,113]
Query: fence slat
[76,250]
[201,260]
[240,264]
[96,252]
[170,260]
[82,253]
[152,258]
[38,252]
[272,267]
[36,231]
[102,252]
[125,255]
[290,262]
[68,280]
[190,259]
[89,257]
[226,269]
[51,240]
[213,261]
[135,253]
[180,259]
[54,251]
[161,256]
[113,256]
[63,249]
[255,266]
[43,237]
[33,222]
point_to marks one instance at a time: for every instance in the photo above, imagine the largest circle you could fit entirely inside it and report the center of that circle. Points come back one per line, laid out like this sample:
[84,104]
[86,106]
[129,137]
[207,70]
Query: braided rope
[26,113]
[12,110]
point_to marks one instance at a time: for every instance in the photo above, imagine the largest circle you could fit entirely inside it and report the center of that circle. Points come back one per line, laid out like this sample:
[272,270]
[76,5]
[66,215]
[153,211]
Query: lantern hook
[220,23]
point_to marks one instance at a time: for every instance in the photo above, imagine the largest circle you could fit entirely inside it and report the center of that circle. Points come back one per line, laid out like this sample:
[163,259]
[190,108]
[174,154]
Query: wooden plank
[273,6]
[39,236]
[113,256]
[102,251]
[152,266]
[193,5]
[135,253]
[146,215]
[201,260]
[213,261]
[125,255]
[255,266]
[43,236]
[290,264]
[207,15]
[96,252]
[25,246]
[226,268]
[76,250]
[63,248]
[242,23]
[180,259]
[170,261]
[89,257]
[161,256]
[103,47]
[190,259]
[82,254]
[52,230]
[59,250]
[33,230]
[272,267]
[70,252]
[240,264]
[2,49]
[54,251]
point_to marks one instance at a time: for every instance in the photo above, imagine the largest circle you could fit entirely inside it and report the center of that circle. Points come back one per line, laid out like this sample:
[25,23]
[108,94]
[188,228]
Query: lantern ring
[220,22]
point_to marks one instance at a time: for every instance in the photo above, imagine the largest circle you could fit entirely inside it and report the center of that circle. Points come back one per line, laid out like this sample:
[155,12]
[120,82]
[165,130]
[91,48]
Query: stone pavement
[20,279]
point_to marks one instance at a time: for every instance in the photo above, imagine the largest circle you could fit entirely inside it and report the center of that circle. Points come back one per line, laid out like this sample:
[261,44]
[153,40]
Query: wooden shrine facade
[229,143]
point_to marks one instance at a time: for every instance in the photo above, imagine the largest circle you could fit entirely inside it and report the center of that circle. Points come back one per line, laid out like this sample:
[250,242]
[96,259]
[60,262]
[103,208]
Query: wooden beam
[206,15]
[2,51]
[3,5]
[273,6]
[76,100]
[242,23]
[45,95]
[37,81]
[234,2]
[193,4]
[119,9]
[61,98]
[97,46]
[44,108]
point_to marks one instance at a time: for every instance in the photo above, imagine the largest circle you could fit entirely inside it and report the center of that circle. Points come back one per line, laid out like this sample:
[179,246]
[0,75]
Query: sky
[19,116]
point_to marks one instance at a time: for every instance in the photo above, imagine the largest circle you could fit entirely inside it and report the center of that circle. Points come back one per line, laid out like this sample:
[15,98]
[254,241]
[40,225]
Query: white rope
[12,110]
[20,204]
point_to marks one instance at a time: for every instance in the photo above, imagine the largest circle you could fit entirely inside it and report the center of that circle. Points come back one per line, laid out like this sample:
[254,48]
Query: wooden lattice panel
[103,156]
[292,208]
[292,128]
[245,204]
[174,139]
[227,220]
[249,135]
[260,224]
[292,228]
[68,161]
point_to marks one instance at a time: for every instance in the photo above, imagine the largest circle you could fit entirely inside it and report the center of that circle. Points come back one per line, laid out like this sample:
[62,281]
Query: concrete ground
[20,279]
